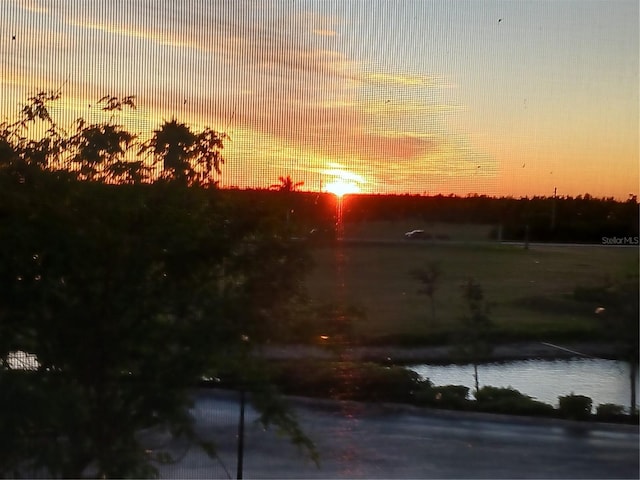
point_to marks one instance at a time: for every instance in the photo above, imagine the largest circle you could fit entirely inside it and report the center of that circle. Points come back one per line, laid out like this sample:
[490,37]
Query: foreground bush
[126,288]
[609,409]
[575,407]
[347,380]
[447,396]
[509,400]
[611,412]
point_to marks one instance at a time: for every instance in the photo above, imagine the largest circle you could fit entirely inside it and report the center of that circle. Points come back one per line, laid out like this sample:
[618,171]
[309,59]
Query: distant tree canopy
[128,288]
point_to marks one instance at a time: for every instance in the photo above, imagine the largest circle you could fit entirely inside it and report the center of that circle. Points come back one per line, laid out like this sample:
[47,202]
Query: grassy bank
[530,290]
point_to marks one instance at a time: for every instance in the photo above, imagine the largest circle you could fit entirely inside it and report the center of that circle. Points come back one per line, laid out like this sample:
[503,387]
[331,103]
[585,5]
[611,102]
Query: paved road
[364,441]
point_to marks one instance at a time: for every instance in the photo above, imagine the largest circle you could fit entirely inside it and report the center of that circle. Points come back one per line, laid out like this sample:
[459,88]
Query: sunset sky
[499,98]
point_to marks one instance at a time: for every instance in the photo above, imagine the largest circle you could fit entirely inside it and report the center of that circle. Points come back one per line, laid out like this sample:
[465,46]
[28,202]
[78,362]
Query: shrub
[314,379]
[575,407]
[492,394]
[380,383]
[511,401]
[447,396]
[425,394]
[611,412]
[607,409]
[347,380]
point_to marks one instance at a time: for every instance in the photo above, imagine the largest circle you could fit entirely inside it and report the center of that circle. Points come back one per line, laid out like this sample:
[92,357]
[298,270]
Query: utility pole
[553,209]
[243,392]
[241,434]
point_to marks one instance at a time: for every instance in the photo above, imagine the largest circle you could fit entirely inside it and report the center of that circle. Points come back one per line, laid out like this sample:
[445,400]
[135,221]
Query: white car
[416,235]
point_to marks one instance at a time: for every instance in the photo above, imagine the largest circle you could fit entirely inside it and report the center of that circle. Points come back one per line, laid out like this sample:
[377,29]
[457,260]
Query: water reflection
[605,381]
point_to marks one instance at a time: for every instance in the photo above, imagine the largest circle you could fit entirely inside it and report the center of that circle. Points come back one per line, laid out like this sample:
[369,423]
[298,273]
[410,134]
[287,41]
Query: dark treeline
[580,219]
[563,219]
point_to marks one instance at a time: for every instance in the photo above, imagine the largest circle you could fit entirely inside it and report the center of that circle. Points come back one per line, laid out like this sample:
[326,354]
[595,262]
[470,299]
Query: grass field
[529,289]
[395,230]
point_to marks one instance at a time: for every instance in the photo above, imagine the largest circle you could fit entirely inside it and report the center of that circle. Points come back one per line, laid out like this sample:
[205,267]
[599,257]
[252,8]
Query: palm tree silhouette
[286,184]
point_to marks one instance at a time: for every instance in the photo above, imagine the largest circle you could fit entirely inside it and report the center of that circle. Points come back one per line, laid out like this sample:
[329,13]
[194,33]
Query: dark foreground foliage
[126,290]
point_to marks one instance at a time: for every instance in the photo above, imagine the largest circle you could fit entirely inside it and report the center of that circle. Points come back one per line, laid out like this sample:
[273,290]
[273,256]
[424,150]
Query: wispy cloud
[280,80]
[406,80]
[32,6]
[132,32]
[388,107]
[324,32]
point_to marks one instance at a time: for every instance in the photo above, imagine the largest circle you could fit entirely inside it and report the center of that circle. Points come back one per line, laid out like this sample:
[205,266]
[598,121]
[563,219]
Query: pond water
[605,381]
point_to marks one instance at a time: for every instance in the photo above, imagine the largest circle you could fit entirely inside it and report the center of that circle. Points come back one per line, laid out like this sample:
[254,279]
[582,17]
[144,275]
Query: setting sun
[340,188]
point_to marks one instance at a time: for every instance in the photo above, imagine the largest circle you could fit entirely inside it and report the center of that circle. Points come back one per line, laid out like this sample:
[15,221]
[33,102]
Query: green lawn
[529,289]
[395,230]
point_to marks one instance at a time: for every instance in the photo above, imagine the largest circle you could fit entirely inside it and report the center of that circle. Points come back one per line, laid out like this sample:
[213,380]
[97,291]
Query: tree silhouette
[106,151]
[473,344]
[622,317]
[286,184]
[616,303]
[186,156]
[99,153]
[287,187]
[429,278]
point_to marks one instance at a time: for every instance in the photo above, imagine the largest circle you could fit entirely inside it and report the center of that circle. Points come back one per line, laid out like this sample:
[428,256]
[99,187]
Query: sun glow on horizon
[340,188]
